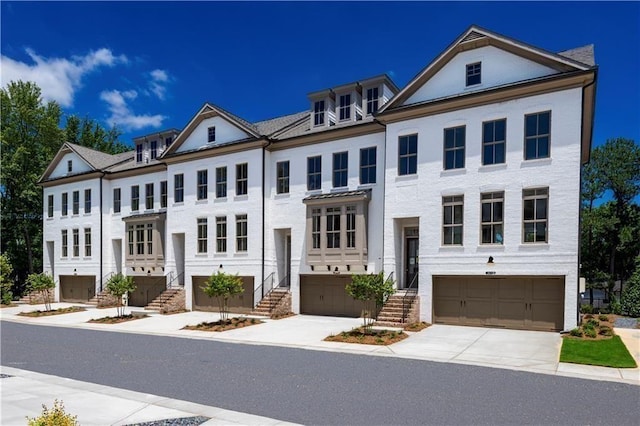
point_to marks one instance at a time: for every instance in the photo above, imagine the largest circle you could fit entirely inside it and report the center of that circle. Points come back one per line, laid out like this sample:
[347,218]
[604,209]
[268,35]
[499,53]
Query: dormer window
[318,113]
[345,107]
[139,149]
[473,74]
[154,149]
[211,134]
[373,95]
[69,166]
[167,142]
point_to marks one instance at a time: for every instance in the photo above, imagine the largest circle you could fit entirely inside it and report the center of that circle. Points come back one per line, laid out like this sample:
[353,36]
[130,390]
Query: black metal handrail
[259,293]
[103,280]
[386,297]
[176,278]
[409,296]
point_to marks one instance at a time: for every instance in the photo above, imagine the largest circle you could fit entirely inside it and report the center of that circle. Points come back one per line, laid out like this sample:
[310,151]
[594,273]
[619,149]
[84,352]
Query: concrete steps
[392,311]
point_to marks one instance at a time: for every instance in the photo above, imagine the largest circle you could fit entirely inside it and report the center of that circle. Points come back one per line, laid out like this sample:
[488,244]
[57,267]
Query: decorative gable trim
[475,37]
[208,110]
[66,148]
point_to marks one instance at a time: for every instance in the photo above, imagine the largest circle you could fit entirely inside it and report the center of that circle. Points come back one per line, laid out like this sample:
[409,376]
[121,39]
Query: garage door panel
[77,288]
[147,289]
[326,295]
[239,303]
[535,303]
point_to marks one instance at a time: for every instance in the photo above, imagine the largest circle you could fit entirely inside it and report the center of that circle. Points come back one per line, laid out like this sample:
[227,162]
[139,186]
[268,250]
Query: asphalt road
[314,387]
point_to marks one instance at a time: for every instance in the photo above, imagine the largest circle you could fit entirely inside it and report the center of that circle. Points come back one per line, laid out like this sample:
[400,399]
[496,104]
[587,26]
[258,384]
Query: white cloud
[121,114]
[157,84]
[59,78]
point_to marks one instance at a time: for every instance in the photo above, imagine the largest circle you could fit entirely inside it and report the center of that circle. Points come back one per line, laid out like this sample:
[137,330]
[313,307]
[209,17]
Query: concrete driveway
[517,349]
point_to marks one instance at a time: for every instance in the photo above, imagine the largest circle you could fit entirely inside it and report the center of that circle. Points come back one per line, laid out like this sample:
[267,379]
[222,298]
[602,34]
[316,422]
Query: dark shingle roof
[98,159]
[584,55]
[271,126]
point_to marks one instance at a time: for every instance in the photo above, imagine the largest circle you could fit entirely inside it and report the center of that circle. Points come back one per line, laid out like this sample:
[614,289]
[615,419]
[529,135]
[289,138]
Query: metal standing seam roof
[342,194]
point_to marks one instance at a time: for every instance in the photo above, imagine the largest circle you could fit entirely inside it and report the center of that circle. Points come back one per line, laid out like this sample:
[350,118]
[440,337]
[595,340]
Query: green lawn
[608,353]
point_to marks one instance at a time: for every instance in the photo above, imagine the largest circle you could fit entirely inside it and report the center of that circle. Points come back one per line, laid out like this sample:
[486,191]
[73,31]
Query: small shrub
[586,309]
[630,301]
[5,280]
[615,307]
[605,310]
[576,332]
[592,323]
[605,331]
[55,416]
[603,318]
[590,332]
[43,284]
[117,286]
[587,316]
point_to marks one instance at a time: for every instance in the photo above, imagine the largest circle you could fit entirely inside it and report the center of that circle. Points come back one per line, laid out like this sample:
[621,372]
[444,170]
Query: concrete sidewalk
[531,351]
[24,392]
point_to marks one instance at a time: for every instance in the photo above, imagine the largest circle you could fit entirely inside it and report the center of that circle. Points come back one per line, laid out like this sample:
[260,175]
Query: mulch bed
[13,305]
[282,316]
[36,314]
[117,320]
[230,324]
[416,326]
[601,323]
[373,337]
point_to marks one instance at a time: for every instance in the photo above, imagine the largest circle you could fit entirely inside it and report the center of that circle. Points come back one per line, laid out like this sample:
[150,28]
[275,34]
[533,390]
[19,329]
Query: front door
[411,262]
[288,261]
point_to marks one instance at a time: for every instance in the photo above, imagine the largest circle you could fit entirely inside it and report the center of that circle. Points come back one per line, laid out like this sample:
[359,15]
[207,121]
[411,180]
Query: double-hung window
[221,182]
[242,235]
[139,149]
[535,214]
[282,183]
[65,204]
[452,220]
[154,150]
[314,173]
[211,134]
[493,141]
[163,194]
[76,202]
[242,178]
[537,135]
[148,201]
[351,226]
[87,201]
[221,234]
[117,200]
[87,242]
[340,169]
[202,184]
[492,220]
[372,100]
[140,238]
[407,155]
[65,243]
[454,142]
[316,217]
[345,107]
[178,188]
[202,235]
[333,227]
[50,206]
[135,198]
[318,113]
[69,166]
[76,243]
[368,165]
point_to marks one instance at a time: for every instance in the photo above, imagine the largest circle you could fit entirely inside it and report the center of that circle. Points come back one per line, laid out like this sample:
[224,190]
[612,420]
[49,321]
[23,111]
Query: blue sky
[148,66]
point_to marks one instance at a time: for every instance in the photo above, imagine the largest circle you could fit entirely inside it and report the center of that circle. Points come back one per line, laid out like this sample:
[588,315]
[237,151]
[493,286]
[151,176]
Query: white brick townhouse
[464,186]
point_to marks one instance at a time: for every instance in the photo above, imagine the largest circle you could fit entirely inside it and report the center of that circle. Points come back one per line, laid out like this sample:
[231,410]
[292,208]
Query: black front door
[411,259]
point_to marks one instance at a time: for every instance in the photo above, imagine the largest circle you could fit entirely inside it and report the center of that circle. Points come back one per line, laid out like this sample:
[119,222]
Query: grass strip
[607,353]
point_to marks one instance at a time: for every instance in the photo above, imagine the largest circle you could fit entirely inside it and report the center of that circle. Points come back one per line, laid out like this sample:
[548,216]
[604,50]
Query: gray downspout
[101,233]
[263,214]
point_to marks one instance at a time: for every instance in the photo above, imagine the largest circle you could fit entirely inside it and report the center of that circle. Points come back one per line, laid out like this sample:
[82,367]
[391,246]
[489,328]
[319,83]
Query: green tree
[87,132]
[222,286]
[43,284]
[630,301]
[614,170]
[372,290]
[118,285]
[30,136]
[5,280]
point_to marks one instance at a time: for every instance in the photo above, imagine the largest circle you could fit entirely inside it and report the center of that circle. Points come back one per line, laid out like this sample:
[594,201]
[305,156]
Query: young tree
[5,280]
[223,286]
[372,290]
[43,284]
[630,301]
[118,285]
[87,132]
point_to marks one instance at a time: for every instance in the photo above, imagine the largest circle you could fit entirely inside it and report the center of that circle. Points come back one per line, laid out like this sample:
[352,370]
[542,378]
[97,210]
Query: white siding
[78,166]
[225,132]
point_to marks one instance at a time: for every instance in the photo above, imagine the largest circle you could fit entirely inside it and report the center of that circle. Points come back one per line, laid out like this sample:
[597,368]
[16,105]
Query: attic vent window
[69,166]
[211,134]
[473,73]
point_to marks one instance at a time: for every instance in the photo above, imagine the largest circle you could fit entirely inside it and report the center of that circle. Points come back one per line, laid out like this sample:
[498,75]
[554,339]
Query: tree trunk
[27,240]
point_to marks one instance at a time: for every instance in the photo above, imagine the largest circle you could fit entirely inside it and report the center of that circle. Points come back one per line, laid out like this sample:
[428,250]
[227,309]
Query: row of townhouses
[463,186]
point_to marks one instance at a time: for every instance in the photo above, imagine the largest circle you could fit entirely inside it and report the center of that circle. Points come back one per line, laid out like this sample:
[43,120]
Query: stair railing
[409,296]
[259,293]
[103,280]
[380,304]
[174,282]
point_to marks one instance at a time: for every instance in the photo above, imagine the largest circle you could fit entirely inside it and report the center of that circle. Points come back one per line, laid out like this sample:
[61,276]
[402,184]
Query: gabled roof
[475,36]
[210,110]
[97,160]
